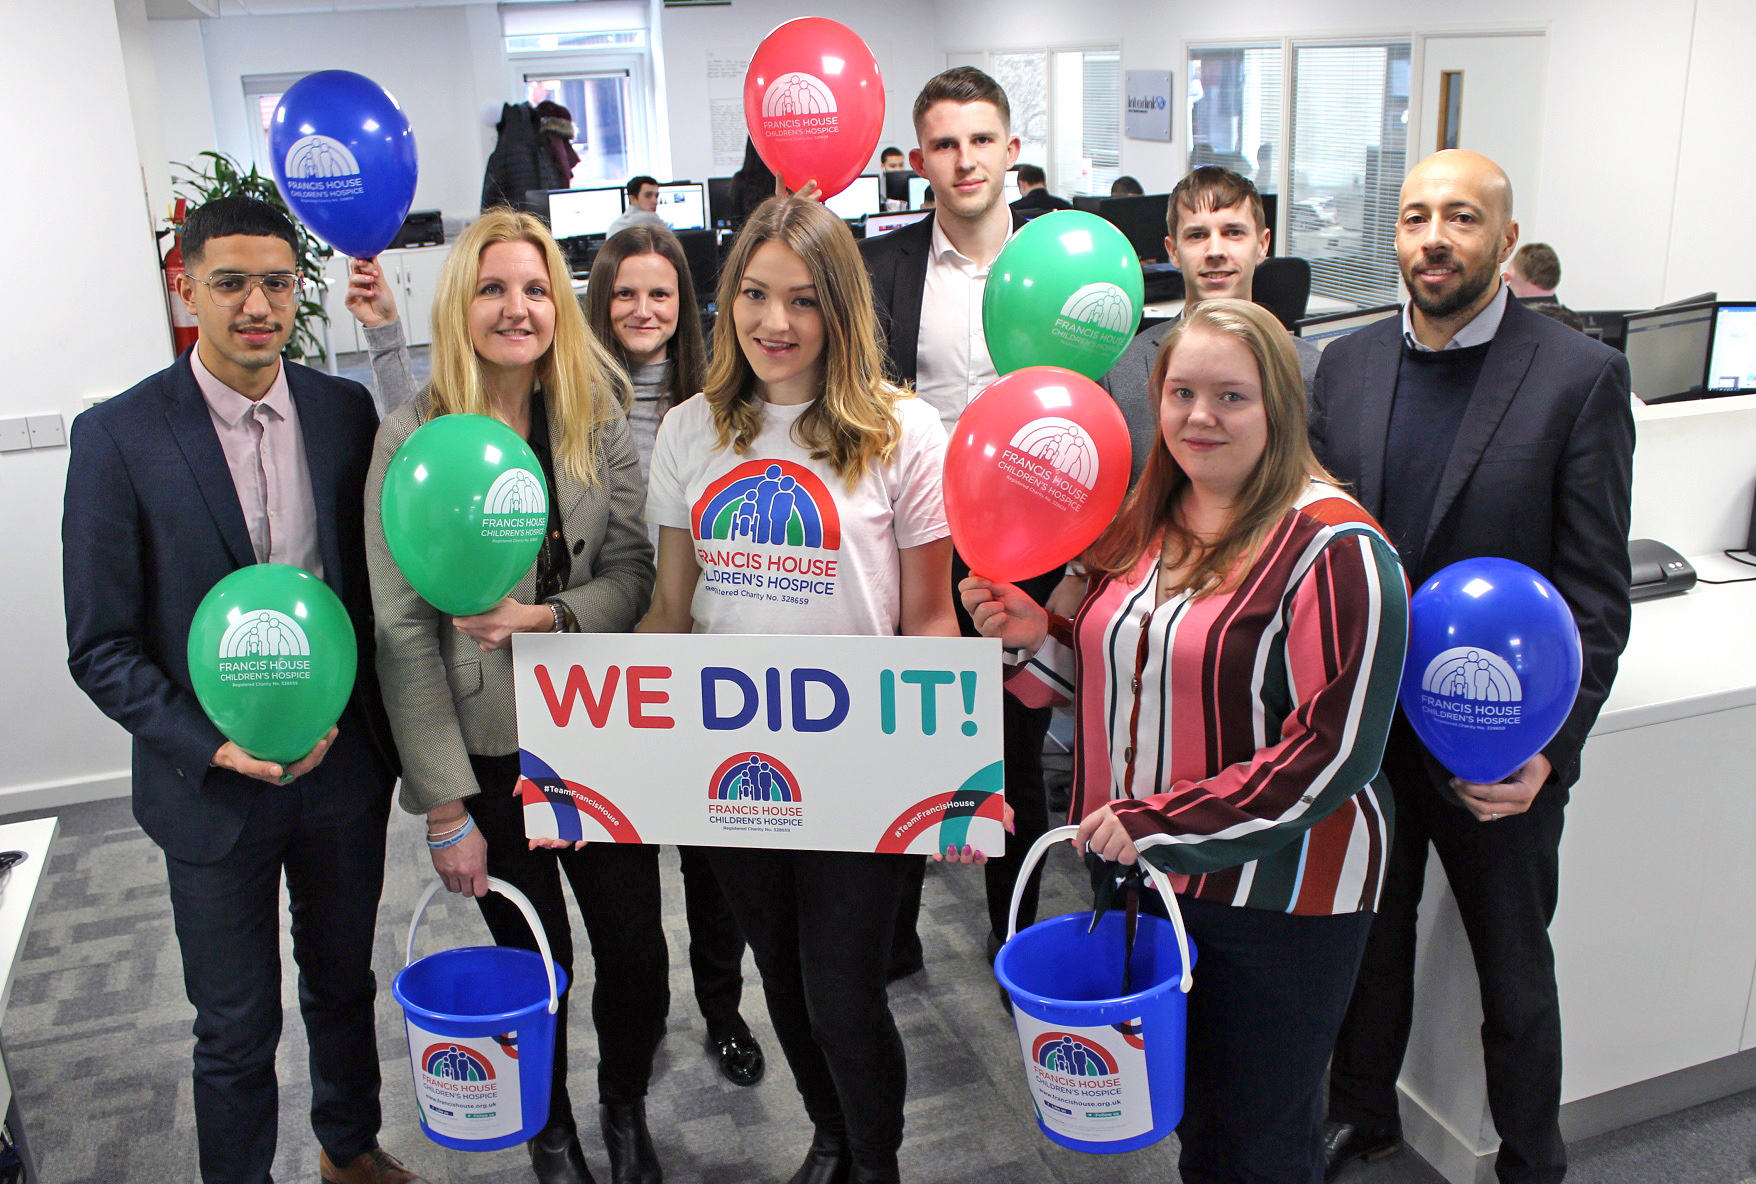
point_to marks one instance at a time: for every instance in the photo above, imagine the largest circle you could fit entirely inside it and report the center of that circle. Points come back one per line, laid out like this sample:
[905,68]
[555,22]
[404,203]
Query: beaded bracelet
[468,825]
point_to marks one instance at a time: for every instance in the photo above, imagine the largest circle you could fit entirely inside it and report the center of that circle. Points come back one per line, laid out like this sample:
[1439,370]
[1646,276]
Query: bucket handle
[524,906]
[1035,855]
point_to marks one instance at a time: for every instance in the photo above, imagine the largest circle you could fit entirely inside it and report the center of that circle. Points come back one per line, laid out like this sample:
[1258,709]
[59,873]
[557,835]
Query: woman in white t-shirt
[801,493]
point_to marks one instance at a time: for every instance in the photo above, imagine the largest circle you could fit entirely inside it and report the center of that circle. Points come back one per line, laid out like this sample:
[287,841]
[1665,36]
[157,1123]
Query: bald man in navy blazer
[1471,426]
[231,457]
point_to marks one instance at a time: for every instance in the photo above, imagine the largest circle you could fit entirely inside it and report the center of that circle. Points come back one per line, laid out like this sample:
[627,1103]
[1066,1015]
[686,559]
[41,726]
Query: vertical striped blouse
[1238,735]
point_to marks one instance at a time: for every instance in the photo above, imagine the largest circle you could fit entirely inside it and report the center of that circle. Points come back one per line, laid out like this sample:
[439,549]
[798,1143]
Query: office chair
[1283,287]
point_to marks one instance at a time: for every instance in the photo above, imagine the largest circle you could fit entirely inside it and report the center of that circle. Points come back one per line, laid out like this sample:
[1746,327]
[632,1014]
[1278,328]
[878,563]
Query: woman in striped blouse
[1233,672]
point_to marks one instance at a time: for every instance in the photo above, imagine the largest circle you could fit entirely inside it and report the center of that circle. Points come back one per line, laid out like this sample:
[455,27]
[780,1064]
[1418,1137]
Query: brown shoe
[376,1166]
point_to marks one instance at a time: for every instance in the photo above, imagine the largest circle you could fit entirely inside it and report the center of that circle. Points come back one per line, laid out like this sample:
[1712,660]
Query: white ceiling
[210,9]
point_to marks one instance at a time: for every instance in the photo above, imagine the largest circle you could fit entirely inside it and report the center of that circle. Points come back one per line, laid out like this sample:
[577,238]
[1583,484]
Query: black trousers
[1269,993]
[617,888]
[227,918]
[716,947]
[1505,875]
[819,923]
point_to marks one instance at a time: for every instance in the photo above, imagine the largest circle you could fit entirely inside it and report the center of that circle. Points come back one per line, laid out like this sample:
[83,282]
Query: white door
[1501,110]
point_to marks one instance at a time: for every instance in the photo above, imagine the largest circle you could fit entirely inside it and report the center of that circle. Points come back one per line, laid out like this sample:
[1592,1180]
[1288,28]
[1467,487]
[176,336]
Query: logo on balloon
[321,168]
[1096,315]
[754,791]
[264,646]
[1472,687]
[798,104]
[1053,457]
[517,506]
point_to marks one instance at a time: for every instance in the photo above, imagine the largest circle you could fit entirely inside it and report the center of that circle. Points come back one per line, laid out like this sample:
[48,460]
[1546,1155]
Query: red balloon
[1036,469]
[814,103]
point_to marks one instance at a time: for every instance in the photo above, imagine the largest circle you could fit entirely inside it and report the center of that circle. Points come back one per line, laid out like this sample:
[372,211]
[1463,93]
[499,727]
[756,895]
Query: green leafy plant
[218,175]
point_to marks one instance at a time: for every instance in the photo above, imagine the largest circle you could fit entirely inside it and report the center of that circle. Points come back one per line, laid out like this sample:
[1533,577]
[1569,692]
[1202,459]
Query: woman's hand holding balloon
[1103,835]
[494,628]
[1004,611]
[1511,796]
[369,297]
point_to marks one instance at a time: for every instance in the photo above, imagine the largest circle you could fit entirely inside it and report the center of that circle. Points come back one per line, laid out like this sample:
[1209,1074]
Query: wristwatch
[560,616]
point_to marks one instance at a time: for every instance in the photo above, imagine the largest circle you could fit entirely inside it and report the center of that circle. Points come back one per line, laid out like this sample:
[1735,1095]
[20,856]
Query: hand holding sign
[1066,291]
[344,159]
[272,658]
[814,104]
[1493,666]
[1035,470]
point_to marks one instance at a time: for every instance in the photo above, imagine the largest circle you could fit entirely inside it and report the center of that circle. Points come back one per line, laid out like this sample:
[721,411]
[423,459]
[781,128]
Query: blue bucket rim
[1012,988]
[419,1010]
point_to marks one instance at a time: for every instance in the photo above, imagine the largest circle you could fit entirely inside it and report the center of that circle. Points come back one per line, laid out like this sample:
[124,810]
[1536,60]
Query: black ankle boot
[827,1162]
[632,1158]
[555,1156]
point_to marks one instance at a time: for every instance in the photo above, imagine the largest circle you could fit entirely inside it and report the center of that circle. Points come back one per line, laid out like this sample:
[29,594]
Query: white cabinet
[413,276]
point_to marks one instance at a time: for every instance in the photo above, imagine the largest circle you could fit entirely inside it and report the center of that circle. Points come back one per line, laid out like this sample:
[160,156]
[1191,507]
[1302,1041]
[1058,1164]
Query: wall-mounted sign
[1148,104]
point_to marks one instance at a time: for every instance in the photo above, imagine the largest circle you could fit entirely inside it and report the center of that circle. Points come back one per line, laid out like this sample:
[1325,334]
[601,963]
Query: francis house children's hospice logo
[798,104]
[516,507]
[263,645]
[1472,687]
[321,168]
[1098,318]
[768,530]
[1054,458]
[754,791]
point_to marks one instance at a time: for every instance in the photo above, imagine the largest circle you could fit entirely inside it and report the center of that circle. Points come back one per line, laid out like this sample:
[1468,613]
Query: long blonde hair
[582,384]
[1286,466]
[852,422]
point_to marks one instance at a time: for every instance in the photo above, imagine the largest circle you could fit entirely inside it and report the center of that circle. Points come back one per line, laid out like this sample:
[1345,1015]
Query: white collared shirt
[951,354]
[1479,331]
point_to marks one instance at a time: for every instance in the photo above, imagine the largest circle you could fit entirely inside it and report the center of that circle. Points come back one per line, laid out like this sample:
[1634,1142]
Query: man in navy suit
[1472,426]
[232,457]
[927,281]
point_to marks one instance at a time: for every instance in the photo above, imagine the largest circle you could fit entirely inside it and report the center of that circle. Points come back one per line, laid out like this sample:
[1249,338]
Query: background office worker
[643,195]
[1216,236]
[927,281]
[1473,426]
[1033,192]
[233,457]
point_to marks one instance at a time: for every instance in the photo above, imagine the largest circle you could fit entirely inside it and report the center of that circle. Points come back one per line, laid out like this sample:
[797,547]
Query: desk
[17,907]
[1655,937]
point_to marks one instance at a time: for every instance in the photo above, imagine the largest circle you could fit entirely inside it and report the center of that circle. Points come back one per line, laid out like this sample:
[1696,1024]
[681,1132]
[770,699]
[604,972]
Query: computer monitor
[1142,219]
[1320,331]
[722,201]
[1009,187]
[896,184]
[1608,325]
[863,196]
[1089,202]
[918,189]
[1731,362]
[1667,352]
[878,225]
[580,213]
[683,205]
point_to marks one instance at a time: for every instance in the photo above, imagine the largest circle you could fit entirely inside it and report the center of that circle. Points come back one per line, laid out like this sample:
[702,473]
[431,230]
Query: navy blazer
[897,263]
[152,521]
[1541,472]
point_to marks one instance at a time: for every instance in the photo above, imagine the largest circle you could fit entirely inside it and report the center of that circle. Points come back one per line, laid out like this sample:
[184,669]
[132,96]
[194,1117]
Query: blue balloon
[344,159]
[1493,666]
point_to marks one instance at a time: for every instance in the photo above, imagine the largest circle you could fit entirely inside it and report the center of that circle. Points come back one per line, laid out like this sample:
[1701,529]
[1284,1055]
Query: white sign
[887,744]
[1148,105]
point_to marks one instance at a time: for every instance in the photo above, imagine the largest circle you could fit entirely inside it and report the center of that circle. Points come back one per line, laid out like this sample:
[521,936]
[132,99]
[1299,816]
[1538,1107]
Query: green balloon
[465,506]
[1066,291]
[272,656]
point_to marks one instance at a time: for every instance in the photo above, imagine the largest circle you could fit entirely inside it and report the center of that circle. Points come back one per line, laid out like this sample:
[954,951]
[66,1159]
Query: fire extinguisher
[183,327]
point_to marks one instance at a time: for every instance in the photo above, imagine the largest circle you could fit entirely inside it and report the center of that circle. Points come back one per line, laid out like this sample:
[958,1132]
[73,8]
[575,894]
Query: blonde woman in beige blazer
[509,340]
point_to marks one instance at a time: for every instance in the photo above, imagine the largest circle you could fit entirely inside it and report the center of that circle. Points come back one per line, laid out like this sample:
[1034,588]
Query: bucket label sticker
[1088,1083]
[467,1086]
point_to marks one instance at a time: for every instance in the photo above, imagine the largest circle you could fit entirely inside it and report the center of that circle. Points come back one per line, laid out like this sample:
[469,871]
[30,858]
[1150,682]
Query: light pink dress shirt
[266,452]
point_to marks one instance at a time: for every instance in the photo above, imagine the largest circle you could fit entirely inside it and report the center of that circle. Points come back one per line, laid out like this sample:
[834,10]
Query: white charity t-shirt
[785,546]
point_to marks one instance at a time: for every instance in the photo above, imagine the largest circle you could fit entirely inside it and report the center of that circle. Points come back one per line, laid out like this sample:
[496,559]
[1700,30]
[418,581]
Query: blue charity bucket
[481,1029]
[1105,1071]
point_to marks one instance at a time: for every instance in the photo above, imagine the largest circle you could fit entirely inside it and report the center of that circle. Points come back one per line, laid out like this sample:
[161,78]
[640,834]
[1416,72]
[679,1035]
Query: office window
[595,59]
[600,103]
[1234,111]
[1348,154]
[262,94]
[1066,112]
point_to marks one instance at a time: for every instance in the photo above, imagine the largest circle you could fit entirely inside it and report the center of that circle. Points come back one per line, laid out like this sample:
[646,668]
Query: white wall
[442,64]
[185,105]
[1624,77]
[900,34]
[59,347]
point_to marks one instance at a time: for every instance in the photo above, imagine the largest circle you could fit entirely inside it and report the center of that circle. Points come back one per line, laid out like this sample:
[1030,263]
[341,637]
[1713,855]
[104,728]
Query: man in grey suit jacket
[1216,239]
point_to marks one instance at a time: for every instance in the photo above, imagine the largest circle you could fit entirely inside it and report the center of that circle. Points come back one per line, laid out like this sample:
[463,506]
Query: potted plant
[221,176]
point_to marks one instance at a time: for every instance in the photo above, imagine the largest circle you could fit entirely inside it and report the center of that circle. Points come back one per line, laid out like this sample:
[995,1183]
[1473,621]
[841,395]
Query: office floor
[97,1040]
